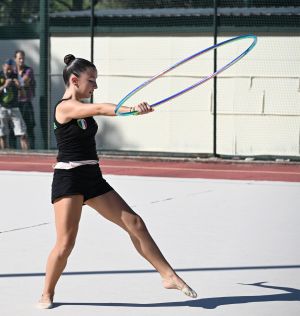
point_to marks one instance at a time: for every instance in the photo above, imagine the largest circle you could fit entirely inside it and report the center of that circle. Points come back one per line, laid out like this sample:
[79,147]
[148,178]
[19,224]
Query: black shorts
[85,180]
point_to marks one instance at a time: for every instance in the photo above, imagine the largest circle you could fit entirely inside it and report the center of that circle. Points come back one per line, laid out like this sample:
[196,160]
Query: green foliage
[16,11]
[151,4]
[25,11]
[69,5]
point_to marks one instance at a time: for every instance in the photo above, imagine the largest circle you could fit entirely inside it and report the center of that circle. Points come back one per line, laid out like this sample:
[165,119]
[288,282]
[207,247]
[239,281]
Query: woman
[78,180]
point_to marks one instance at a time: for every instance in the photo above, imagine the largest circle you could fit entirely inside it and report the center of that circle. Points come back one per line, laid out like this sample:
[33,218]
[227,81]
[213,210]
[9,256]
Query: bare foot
[177,283]
[45,302]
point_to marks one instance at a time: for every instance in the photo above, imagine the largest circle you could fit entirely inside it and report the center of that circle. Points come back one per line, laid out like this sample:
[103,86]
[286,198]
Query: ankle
[47,296]
[170,275]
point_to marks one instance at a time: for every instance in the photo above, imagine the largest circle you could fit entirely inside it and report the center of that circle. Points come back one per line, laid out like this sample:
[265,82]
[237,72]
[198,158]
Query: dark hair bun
[68,59]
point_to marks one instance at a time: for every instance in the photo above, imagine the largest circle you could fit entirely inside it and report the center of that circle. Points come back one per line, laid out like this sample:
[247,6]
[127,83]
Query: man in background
[10,115]
[26,94]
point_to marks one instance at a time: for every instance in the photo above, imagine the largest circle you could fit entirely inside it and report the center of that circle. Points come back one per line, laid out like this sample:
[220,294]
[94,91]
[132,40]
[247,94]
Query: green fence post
[215,129]
[92,34]
[44,69]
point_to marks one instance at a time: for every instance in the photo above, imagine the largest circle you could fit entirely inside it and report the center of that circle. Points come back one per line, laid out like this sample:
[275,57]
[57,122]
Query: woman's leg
[67,216]
[24,142]
[2,142]
[115,209]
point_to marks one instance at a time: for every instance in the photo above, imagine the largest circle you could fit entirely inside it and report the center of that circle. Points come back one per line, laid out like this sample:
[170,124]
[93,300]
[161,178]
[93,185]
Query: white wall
[258,98]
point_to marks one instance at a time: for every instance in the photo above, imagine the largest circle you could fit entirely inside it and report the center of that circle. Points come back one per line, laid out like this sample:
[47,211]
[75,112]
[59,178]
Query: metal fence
[251,110]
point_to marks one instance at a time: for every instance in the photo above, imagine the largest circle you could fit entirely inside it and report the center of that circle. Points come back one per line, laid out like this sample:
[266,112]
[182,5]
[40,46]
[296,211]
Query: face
[20,60]
[7,69]
[85,83]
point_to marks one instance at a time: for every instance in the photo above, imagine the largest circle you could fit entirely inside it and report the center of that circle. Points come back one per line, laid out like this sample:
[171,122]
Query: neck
[71,93]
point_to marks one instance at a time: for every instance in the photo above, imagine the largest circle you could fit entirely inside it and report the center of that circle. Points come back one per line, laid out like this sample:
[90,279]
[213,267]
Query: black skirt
[85,180]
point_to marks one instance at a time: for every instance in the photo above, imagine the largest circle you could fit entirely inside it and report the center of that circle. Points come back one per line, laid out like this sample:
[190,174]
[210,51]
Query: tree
[15,11]
[25,11]
[71,5]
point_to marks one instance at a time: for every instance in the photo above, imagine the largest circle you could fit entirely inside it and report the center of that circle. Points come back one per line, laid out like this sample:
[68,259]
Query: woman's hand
[16,82]
[142,108]
[8,82]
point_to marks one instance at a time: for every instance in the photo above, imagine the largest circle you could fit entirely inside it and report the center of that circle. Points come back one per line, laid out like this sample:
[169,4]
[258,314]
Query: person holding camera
[10,114]
[26,94]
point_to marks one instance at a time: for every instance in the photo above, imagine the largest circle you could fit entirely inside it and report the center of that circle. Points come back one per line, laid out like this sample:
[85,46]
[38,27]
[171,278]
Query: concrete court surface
[235,242]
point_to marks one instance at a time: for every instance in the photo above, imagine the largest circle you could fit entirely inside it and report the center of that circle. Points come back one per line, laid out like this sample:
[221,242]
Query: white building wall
[258,98]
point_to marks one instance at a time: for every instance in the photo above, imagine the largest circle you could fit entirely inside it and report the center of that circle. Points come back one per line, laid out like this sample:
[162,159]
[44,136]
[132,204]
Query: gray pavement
[225,238]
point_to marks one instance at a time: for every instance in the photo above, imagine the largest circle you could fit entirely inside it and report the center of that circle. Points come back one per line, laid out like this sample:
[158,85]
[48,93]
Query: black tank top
[75,139]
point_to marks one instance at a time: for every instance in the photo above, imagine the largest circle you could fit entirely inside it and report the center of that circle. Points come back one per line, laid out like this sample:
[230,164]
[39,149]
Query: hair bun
[68,59]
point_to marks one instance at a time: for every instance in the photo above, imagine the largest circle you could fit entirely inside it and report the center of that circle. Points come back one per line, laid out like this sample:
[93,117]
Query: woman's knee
[135,225]
[65,247]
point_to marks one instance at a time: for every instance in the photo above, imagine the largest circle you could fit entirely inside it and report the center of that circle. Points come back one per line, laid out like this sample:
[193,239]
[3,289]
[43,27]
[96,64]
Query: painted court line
[160,168]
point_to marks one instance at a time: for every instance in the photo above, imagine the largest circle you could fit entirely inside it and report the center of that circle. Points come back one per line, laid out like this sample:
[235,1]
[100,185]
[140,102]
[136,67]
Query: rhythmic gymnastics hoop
[198,83]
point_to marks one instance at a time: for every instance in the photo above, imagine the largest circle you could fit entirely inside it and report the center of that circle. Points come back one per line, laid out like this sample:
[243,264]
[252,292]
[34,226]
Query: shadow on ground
[290,294]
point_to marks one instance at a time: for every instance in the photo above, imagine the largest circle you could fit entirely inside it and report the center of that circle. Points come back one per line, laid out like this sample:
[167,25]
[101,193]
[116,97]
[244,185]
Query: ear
[74,80]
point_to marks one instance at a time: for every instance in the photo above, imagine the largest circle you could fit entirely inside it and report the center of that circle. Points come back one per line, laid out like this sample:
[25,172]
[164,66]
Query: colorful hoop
[198,83]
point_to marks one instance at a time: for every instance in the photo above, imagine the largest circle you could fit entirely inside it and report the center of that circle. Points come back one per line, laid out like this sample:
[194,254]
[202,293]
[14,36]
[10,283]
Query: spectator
[10,114]
[26,94]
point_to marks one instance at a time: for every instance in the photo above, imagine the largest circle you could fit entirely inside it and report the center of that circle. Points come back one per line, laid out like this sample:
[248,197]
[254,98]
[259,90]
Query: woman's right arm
[73,109]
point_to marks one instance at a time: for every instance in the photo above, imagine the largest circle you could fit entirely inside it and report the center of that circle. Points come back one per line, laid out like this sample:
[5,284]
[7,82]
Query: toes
[189,292]
[181,286]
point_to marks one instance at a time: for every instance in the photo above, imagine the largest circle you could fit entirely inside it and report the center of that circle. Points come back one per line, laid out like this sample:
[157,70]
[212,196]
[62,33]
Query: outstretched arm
[108,109]
[73,109]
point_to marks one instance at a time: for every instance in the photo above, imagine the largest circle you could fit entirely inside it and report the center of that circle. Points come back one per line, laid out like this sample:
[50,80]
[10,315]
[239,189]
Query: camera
[9,75]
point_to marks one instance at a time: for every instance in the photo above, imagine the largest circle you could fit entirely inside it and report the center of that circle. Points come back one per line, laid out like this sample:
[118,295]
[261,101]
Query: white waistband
[74,164]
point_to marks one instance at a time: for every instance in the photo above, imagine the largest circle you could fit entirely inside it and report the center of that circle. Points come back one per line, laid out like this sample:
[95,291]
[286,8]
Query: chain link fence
[252,110]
